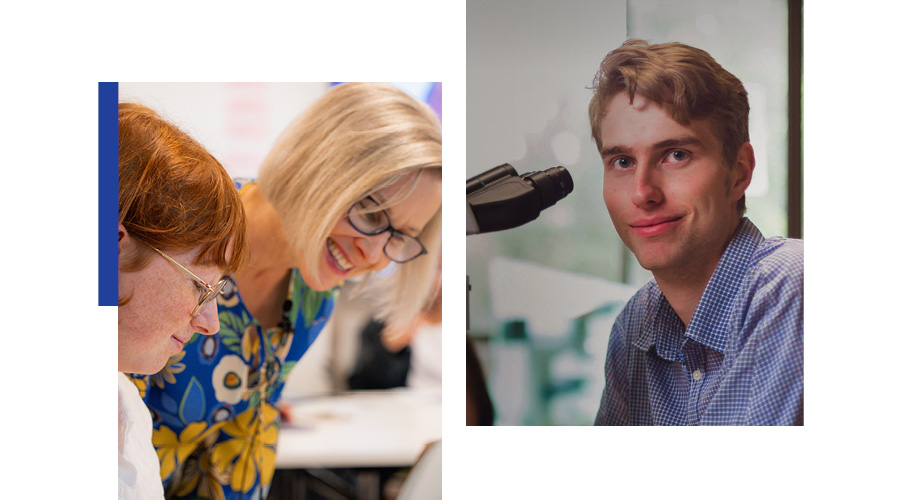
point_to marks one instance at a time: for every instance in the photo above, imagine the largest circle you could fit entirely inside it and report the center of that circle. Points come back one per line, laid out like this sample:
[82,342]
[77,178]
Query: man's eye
[677,156]
[621,162]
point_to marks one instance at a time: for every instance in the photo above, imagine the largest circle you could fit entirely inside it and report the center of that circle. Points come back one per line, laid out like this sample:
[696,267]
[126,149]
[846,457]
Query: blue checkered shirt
[740,361]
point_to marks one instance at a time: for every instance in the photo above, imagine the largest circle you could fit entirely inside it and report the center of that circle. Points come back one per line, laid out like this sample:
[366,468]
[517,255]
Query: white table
[359,430]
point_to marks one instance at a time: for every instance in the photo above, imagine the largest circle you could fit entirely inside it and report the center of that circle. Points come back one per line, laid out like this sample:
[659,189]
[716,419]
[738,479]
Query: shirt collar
[661,328]
[709,325]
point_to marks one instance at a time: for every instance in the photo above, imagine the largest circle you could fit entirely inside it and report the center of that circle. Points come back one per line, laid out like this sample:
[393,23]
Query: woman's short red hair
[173,194]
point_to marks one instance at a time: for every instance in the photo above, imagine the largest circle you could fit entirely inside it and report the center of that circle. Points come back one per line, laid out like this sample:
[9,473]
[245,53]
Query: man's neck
[683,286]
[683,293]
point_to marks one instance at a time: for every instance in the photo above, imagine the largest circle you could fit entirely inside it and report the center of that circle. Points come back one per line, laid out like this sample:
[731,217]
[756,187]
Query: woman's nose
[207,322]
[372,247]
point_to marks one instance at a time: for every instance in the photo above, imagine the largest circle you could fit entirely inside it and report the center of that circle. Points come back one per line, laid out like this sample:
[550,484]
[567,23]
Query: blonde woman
[350,187]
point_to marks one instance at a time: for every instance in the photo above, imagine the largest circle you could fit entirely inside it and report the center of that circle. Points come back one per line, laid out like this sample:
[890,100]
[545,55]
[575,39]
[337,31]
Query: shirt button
[698,374]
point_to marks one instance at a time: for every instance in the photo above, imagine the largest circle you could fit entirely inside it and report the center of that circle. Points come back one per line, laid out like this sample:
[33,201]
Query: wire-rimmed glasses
[211,291]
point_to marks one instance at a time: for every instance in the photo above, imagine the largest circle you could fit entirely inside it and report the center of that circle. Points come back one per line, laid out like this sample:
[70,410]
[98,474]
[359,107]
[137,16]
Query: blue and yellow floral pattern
[213,405]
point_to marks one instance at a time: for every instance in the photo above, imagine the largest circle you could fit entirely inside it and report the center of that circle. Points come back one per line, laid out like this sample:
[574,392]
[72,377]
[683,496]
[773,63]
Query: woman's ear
[125,241]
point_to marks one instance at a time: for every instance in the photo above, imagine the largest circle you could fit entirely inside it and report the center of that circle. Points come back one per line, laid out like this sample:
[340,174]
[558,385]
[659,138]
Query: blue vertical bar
[108,247]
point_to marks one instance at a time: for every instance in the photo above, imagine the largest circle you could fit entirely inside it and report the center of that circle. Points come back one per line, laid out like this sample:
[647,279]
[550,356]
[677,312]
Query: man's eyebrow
[687,140]
[614,150]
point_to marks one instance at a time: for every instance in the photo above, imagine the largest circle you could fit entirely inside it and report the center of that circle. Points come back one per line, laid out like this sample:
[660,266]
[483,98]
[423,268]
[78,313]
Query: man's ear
[742,173]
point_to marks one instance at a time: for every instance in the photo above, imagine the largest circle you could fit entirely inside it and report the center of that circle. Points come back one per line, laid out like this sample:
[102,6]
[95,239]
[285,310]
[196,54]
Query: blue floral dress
[215,424]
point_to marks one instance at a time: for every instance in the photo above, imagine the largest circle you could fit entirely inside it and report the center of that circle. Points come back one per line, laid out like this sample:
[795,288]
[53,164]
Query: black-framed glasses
[211,291]
[366,217]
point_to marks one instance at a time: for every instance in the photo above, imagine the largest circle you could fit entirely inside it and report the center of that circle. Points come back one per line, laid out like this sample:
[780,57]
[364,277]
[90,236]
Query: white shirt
[138,463]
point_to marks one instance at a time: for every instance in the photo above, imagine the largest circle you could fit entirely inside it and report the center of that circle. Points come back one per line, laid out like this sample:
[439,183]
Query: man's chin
[653,262]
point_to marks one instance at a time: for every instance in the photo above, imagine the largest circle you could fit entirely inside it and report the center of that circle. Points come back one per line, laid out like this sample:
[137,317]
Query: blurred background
[239,122]
[544,296]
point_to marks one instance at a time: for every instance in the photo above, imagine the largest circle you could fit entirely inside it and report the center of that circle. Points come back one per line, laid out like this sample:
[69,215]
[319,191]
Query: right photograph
[634,213]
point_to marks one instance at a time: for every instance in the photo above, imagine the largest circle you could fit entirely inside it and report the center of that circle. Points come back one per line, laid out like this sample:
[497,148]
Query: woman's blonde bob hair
[355,140]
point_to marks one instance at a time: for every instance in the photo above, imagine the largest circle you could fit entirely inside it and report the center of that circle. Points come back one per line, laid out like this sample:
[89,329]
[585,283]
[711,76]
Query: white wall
[236,122]
[527,68]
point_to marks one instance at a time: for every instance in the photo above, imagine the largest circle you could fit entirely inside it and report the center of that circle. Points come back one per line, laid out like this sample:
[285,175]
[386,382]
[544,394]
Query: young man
[716,338]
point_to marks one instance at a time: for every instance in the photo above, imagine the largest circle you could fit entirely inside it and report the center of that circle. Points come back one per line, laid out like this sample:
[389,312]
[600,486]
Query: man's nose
[647,190]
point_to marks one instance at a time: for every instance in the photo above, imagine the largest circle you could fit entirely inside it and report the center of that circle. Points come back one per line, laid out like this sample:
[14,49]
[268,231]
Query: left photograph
[278,288]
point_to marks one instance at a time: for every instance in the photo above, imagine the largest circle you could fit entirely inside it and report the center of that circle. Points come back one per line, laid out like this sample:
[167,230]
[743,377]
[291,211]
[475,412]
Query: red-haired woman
[182,229]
